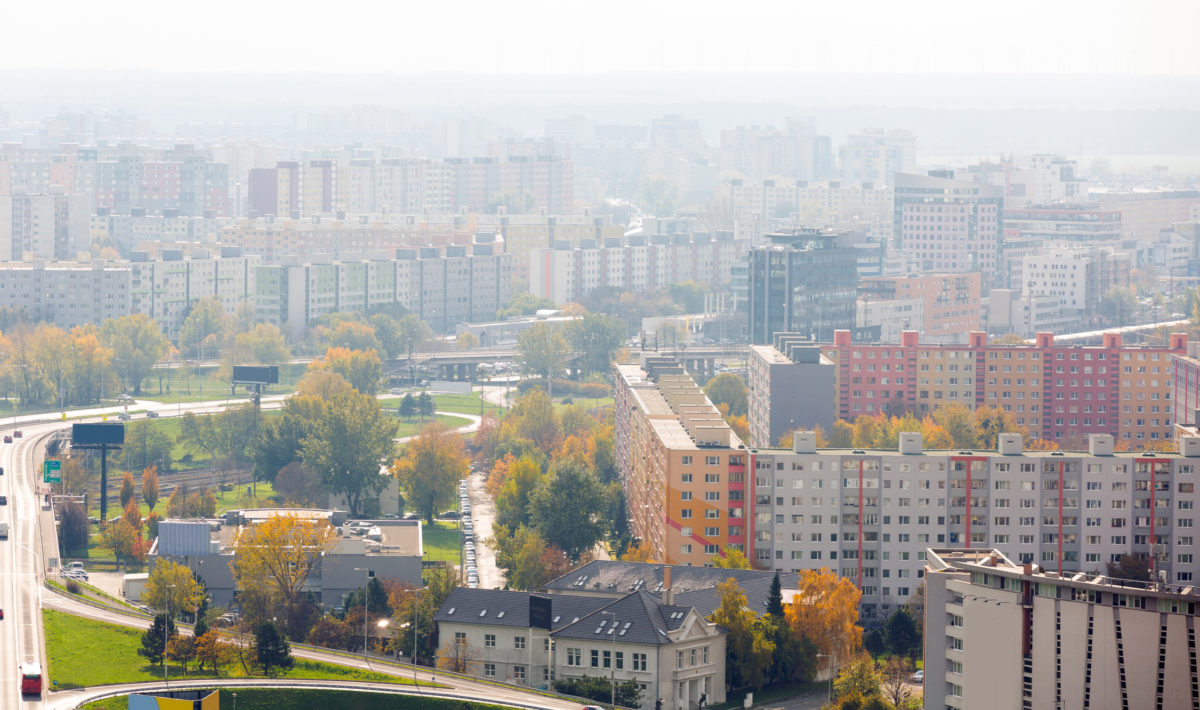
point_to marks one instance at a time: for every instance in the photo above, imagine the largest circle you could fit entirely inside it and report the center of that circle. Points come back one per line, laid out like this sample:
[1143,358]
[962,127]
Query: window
[712,460]
[518,642]
[686,513]
[686,460]
[712,514]
[687,477]
[620,660]
[712,495]
[460,637]
[712,532]
[607,659]
[595,658]
[685,495]
[639,662]
[489,670]
[574,657]
[489,640]
[519,674]
[712,549]
[712,478]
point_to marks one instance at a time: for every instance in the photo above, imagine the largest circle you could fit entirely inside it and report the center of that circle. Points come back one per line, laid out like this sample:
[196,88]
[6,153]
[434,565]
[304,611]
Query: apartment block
[43,226]
[1004,634]
[682,468]
[1184,375]
[870,514]
[1076,279]
[442,286]
[1084,223]
[949,304]
[525,233]
[802,281]
[791,386]
[636,263]
[949,225]
[875,156]
[1057,392]
[1145,214]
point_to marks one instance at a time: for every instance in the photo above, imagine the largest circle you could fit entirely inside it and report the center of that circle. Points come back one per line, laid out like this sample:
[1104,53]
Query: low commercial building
[388,548]
[1000,634]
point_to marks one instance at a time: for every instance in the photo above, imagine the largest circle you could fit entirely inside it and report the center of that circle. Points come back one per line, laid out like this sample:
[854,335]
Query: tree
[825,611]
[857,677]
[874,642]
[204,327]
[91,365]
[411,333]
[425,405]
[1131,567]
[596,338]
[156,638]
[271,648]
[512,500]
[600,689]
[991,422]
[524,303]
[126,489]
[299,484]
[150,486]
[213,651]
[903,634]
[658,195]
[689,295]
[748,648]
[532,417]
[263,344]
[137,344]
[775,598]
[458,657]
[146,445]
[73,530]
[959,423]
[894,687]
[1118,305]
[348,444]
[731,558]
[408,406]
[530,562]
[361,368]
[727,389]
[119,537]
[467,340]
[74,475]
[133,516]
[182,650]
[566,508]
[332,632]
[542,350]
[275,557]
[353,335]
[430,468]
[173,586]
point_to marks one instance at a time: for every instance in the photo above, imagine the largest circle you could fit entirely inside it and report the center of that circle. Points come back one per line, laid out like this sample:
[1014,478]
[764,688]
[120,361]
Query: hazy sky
[572,37]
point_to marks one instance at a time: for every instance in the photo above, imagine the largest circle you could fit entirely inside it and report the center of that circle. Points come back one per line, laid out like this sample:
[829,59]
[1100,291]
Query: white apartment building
[568,272]
[53,226]
[1076,278]
[870,514]
[891,316]
[1005,635]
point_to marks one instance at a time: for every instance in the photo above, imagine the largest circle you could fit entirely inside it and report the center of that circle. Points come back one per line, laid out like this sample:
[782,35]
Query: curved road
[23,563]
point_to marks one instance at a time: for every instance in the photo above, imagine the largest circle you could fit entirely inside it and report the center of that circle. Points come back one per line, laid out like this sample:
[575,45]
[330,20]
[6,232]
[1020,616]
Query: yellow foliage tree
[638,552]
[276,556]
[172,585]
[731,558]
[825,611]
[430,469]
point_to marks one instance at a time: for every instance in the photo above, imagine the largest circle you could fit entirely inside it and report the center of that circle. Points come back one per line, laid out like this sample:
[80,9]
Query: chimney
[668,593]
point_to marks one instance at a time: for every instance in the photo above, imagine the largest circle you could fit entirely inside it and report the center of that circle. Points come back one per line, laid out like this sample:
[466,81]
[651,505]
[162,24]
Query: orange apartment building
[1056,392]
[682,467]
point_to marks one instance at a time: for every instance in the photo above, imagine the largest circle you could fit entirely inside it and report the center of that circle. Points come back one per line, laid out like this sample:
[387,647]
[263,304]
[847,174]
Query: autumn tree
[638,552]
[895,679]
[529,561]
[959,423]
[127,494]
[533,417]
[213,651]
[353,335]
[73,528]
[150,486]
[299,484]
[520,479]
[542,350]
[74,475]
[825,611]
[411,333]
[748,648]
[262,344]
[274,559]
[361,368]
[348,443]
[991,422]
[204,328]
[857,677]
[467,340]
[430,468]
[727,388]
[137,344]
[596,338]
[133,516]
[119,537]
[173,586]
[182,650]
[731,558]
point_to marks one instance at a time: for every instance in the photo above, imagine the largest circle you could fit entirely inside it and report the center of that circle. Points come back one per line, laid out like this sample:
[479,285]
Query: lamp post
[235,701]
[832,671]
[366,599]
[612,662]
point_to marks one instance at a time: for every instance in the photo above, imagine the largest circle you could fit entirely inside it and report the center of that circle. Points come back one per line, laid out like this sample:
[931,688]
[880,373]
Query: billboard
[255,374]
[539,612]
[107,433]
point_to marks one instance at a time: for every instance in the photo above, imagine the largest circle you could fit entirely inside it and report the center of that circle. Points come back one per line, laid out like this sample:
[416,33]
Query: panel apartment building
[682,467]
[999,634]
[869,514]
[1057,392]
[949,225]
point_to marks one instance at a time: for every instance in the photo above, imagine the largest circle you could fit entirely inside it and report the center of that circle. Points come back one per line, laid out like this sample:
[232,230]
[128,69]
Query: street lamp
[235,701]
[832,671]
[367,575]
[612,662]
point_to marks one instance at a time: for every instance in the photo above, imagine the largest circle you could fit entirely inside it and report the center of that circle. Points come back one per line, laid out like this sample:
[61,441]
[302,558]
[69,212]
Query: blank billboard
[255,374]
[107,433]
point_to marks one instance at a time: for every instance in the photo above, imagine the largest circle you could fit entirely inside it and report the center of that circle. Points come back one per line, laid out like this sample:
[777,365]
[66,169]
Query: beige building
[1008,636]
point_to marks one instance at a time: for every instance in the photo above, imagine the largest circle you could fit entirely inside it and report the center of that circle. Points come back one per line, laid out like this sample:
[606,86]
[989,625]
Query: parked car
[8,438]
[123,416]
[918,677]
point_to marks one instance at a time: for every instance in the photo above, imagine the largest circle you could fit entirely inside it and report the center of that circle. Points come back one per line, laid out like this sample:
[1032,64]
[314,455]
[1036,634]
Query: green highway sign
[52,472]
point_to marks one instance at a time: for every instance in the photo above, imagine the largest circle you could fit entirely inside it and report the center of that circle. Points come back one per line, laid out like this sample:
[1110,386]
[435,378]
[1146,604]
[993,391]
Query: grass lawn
[464,403]
[205,385]
[441,541]
[409,427]
[317,699]
[73,645]
[586,402]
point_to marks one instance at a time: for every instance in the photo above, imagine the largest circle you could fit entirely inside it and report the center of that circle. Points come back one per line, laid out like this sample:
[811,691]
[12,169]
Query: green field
[73,645]
[465,404]
[205,385]
[441,541]
[304,699]
[409,427]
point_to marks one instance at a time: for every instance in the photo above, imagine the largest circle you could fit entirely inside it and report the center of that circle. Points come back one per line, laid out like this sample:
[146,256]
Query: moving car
[8,438]
[123,416]
[152,415]
[18,433]
[3,500]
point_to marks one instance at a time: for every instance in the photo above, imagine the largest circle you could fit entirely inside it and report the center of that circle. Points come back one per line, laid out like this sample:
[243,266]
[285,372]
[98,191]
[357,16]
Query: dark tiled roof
[614,577]
[639,618]
[497,607]
[706,601]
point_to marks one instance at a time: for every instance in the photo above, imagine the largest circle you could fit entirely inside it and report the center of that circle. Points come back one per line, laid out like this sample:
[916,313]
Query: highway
[23,561]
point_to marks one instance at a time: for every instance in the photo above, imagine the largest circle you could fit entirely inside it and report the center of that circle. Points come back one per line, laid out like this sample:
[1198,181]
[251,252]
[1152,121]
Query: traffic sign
[52,472]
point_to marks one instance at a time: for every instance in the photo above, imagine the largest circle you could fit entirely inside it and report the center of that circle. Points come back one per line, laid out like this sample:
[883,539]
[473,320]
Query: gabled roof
[497,607]
[614,577]
[706,600]
[639,618]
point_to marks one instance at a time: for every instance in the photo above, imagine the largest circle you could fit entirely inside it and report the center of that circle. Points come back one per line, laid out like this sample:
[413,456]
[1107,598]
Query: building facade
[801,282]
[1001,634]
[870,514]
[1057,392]
[949,225]
[949,303]
[788,391]
[43,226]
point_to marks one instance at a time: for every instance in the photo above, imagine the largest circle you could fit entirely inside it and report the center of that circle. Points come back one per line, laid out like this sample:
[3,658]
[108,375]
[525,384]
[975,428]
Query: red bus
[31,678]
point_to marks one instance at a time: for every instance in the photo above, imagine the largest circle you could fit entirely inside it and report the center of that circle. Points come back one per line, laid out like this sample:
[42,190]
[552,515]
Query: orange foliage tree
[825,612]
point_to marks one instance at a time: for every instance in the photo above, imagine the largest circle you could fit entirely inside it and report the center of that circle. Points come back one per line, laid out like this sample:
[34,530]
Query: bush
[73,587]
[572,388]
[600,690]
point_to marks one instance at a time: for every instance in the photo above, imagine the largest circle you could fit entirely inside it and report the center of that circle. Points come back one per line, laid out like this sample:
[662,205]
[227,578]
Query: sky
[569,37]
